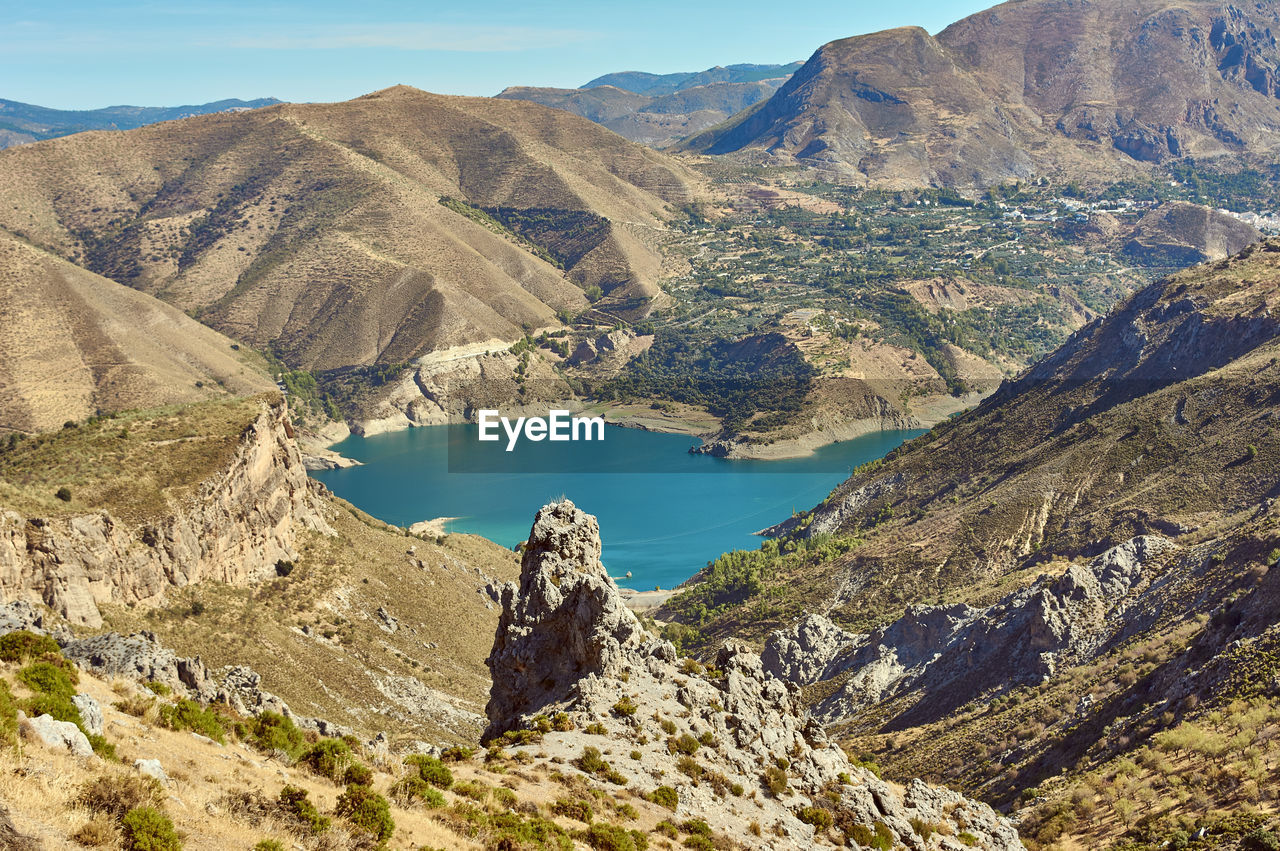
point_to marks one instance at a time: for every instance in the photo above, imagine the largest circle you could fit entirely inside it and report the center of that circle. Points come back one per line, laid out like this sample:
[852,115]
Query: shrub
[149,829]
[63,493]
[591,761]
[457,753]
[50,679]
[816,816]
[268,845]
[608,837]
[22,646]
[665,796]
[579,810]
[328,758]
[359,774]
[562,722]
[595,729]
[295,804]
[411,788]
[1261,840]
[98,832]
[189,715]
[775,780]
[115,795]
[8,716]
[968,839]
[431,770]
[367,810]
[684,743]
[57,706]
[106,750]
[159,688]
[625,707]
[271,731]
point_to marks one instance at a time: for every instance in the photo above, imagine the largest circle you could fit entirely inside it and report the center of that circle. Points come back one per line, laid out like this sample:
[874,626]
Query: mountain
[375,230]
[23,122]
[77,344]
[1071,87]
[654,85]
[1066,577]
[659,109]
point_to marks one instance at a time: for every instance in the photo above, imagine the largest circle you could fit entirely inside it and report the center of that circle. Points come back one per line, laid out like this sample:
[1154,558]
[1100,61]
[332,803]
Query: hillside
[21,123]
[375,230]
[659,109]
[77,344]
[1062,579]
[1080,89]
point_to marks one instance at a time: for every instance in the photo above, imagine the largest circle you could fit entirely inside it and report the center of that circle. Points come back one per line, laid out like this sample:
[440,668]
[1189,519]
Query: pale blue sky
[80,54]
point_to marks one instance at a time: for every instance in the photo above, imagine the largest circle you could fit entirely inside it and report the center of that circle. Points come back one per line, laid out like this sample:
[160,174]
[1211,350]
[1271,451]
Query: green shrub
[149,829]
[104,749]
[431,770]
[1261,840]
[158,688]
[625,707]
[271,731]
[359,774]
[268,845]
[569,808]
[57,706]
[412,788]
[457,753]
[684,743]
[328,758]
[22,646]
[190,715]
[775,780]
[8,716]
[50,679]
[881,839]
[968,839]
[665,796]
[608,837]
[367,810]
[295,804]
[818,817]
[63,493]
[595,729]
[562,722]
[591,761]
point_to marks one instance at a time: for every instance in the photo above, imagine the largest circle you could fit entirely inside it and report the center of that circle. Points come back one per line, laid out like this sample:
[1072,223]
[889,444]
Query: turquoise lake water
[663,512]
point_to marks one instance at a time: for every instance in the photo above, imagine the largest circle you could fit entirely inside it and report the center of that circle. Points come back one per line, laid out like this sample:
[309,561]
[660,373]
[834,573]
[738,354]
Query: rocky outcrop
[953,653]
[234,529]
[1181,234]
[730,742]
[47,732]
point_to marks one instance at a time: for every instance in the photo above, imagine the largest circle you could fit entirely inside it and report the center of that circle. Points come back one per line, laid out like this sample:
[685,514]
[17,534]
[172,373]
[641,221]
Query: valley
[940,375]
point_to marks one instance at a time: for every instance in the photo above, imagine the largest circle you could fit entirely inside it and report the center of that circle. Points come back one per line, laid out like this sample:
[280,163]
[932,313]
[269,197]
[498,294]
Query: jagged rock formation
[955,652]
[568,648]
[233,529]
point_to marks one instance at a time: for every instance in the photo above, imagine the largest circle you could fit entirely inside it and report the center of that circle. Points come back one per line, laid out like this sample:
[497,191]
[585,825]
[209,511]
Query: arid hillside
[1058,584]
[343,234]
[1069,87]
[76,344]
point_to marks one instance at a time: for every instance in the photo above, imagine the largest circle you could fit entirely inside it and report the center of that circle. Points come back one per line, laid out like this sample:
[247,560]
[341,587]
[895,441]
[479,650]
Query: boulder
[90,714]
[56,735]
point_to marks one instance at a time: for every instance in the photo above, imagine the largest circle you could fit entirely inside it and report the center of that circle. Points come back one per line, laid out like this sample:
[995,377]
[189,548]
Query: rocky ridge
[575,671]
[953,653]
[233,529]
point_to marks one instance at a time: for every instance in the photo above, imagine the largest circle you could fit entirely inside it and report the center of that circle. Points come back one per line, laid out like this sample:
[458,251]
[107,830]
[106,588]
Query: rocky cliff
[578,678]
[233,527]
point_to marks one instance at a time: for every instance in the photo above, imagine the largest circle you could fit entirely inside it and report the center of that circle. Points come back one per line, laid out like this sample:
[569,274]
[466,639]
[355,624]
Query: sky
[84,54]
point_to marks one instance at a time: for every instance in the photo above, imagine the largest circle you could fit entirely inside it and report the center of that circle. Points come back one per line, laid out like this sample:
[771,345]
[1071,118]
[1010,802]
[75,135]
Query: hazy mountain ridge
[659,109]
[1082,89]
[21,123]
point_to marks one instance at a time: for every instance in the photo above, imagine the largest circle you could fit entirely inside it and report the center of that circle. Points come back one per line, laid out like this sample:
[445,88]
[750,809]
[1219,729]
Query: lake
[663,512]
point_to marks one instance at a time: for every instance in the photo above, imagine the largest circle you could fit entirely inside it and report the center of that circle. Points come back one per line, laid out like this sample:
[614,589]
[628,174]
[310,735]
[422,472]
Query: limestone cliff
[575,674]
[233,528]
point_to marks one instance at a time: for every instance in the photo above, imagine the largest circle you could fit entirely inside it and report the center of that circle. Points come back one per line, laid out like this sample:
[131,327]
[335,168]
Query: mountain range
[658,109]
[23,122]
[1058,87]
